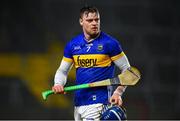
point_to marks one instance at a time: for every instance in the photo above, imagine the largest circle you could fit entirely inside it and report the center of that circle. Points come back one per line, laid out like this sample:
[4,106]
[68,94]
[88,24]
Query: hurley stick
[128,78]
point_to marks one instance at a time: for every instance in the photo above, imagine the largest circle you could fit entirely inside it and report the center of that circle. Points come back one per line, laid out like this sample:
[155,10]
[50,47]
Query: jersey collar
[88,41]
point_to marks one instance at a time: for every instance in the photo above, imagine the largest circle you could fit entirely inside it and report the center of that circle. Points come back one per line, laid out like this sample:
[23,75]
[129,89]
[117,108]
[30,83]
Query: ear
[80,22]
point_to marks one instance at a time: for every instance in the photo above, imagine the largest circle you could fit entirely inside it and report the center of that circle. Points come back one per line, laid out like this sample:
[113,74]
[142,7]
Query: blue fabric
[90,67]
[114,113]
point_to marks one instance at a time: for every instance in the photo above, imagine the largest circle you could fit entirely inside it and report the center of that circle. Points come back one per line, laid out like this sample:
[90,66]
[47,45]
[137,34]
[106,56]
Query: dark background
[32,37]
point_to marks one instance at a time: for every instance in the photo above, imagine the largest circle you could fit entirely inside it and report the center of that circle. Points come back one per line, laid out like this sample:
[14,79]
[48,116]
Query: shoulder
[109,39]
[75,40]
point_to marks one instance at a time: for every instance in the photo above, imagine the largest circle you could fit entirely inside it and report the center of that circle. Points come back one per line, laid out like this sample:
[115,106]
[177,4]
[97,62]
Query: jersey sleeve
[68,53]
[116,51]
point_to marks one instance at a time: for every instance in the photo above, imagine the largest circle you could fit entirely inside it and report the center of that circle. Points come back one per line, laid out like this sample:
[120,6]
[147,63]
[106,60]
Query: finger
[54,89]
[62,89]
[120,102]
[111,100]
[58,89]
[114,101]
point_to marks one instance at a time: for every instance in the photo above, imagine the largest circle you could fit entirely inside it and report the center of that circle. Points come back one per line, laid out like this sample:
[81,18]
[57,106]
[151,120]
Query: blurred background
[32,38]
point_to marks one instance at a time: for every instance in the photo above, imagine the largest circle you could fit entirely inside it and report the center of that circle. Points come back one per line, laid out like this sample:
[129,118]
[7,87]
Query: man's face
[90,23]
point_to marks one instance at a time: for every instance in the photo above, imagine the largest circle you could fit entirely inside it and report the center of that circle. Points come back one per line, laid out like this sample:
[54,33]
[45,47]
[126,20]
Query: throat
[89,38]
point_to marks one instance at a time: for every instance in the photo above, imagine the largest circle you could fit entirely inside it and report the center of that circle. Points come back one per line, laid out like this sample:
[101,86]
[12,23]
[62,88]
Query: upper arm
[68,57]
[122,63]
[118,56]
[65,66]
[115,50]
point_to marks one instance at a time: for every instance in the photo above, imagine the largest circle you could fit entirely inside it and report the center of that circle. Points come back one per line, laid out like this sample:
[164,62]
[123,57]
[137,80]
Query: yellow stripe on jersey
[92,60]
[67,59]
[117,56]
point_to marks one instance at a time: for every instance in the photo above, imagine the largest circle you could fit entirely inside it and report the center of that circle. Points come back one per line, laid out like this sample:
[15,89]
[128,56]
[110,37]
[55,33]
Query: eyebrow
[87,13]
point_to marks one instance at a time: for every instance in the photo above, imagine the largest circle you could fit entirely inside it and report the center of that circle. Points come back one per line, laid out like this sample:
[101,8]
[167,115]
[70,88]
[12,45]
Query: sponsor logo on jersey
[82,62]
[91,60]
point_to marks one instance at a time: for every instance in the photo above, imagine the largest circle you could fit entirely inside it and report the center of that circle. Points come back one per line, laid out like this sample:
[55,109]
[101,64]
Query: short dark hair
[88,9]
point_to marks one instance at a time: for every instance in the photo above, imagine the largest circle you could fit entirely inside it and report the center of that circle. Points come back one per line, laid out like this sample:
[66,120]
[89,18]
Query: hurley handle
[46,93]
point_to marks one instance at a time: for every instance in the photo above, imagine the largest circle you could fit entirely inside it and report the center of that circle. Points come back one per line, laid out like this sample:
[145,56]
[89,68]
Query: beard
[94,34]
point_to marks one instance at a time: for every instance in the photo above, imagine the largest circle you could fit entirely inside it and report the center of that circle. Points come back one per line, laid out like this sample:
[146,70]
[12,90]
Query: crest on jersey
[100,47]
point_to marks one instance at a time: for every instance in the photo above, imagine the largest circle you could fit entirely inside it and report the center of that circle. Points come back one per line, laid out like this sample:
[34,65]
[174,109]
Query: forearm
[62,72]
[120,90]
[122,64]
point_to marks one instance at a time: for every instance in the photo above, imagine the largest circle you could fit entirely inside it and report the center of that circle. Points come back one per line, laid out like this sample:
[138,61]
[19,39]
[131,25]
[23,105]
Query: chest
[90,48]
[91,55]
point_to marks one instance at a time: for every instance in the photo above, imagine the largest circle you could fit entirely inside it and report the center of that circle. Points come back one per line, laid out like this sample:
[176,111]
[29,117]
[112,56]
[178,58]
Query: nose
[94,22]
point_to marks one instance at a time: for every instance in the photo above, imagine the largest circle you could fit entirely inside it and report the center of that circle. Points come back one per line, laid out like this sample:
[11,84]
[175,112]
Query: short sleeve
[68,53]
[116,51]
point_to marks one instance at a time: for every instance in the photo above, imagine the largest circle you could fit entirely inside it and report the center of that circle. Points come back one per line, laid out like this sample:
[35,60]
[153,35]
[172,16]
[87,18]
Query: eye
[97,19]
[89,20]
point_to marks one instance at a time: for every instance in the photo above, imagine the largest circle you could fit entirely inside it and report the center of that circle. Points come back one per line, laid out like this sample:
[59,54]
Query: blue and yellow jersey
[93,62]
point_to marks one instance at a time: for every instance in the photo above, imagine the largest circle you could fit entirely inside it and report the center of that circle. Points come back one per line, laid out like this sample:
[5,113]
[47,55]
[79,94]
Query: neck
[89,38]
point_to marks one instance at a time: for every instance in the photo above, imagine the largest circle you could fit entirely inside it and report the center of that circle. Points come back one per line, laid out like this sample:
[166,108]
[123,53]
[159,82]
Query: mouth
[94,28]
